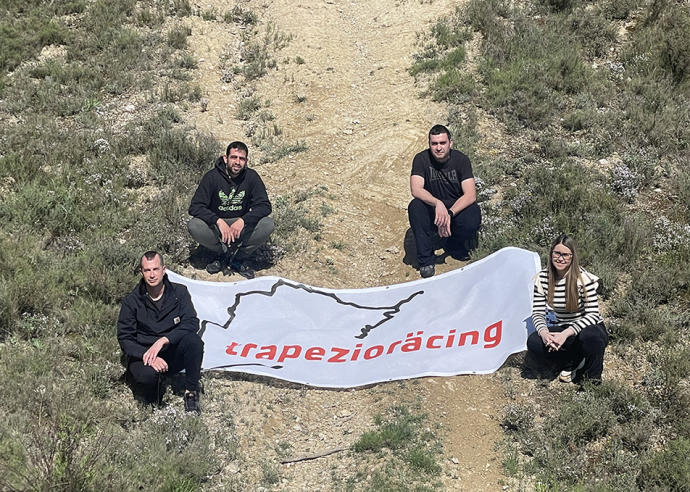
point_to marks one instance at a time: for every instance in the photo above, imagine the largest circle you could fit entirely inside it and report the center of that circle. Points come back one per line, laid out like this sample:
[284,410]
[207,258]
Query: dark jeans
[463,229]
[186,354]
[589,344]
[250,239]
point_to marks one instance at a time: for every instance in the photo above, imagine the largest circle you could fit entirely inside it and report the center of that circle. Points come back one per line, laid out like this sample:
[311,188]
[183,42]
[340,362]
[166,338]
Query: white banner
[466,321]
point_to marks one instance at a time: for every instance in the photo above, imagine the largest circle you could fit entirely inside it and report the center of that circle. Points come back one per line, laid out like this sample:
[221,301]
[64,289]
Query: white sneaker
[568,375]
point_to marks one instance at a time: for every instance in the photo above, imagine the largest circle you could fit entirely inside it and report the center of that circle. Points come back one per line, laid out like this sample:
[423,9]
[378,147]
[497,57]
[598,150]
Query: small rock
[455,460]
[129,108]
[347,131]
[297,427]
[233,468]
[204,104]
[344,413]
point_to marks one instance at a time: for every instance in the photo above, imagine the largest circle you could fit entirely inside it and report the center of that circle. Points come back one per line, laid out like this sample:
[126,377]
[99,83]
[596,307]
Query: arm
[591,308]
[201,201]
[259,205]
[442,217]
[127,331]
[539,315]
[469,196]
[189,322]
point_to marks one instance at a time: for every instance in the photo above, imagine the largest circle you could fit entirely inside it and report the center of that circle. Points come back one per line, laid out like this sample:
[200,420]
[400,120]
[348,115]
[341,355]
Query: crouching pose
[577,341]
[157,330]
[230,212]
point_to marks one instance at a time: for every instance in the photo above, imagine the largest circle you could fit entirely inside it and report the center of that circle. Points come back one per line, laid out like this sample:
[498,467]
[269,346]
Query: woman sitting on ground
[577,341]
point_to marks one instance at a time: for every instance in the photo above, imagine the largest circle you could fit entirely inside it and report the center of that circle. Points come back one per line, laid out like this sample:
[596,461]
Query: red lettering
[451,338]
[290,352]
[368,353]
[247,348]
[355,352]
[430,342]
[473,334]
[493,339]
[269,352]
[229,349]
[340,354]
[392,346]
[314,353]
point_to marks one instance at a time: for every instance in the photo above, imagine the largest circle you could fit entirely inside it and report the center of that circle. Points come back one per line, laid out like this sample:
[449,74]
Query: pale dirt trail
[363,120]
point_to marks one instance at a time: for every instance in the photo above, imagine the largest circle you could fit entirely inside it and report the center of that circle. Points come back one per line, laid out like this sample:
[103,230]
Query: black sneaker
[427,271]
[216,266]
[243,269]
[191,402]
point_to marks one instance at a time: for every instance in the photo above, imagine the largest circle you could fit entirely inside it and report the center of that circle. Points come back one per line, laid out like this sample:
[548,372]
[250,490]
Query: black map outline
[387,315]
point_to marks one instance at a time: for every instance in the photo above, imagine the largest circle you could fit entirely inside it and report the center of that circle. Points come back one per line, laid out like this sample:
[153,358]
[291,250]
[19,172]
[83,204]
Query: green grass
[569,93]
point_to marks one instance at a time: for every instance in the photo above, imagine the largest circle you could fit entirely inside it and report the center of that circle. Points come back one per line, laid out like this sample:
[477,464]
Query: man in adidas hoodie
[230,212]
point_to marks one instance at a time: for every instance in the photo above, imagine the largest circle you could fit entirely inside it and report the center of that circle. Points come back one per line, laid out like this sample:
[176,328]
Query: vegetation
[414,448]
[594,99]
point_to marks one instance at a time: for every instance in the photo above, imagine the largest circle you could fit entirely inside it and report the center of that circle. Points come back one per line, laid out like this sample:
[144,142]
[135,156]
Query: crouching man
[230,211]
[157,330]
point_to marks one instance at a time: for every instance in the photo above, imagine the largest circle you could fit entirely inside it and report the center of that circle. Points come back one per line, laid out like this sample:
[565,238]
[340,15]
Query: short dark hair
[439,130]
[237,145]
[151,255]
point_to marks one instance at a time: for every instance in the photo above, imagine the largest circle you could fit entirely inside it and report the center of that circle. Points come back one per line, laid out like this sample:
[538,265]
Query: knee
[142,374]
[196,226]
[268,225]
[416,210]
[592,341]
[192,342]
[535,343]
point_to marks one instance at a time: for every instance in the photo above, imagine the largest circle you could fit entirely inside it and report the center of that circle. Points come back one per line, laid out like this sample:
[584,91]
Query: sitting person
[444,201]
[577,341]
[157,331]
[230,211]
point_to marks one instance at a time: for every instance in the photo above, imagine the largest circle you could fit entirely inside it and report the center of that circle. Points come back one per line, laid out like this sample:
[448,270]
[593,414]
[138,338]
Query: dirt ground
[354,104]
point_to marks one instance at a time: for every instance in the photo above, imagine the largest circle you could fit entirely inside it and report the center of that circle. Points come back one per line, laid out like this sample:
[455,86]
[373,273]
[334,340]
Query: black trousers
[463,229]
[186,354]
[589,344]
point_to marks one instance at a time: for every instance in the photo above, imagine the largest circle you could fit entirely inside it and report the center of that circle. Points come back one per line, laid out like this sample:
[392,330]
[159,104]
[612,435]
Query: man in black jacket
[230,211]
[157,330]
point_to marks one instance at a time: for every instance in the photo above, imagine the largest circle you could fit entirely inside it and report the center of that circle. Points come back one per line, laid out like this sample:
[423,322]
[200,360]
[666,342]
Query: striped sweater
[587,314]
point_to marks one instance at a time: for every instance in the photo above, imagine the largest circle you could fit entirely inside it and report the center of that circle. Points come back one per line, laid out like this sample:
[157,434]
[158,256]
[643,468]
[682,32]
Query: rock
[129,108]
[344,413]
[204,104]
[455,460]
[233,468]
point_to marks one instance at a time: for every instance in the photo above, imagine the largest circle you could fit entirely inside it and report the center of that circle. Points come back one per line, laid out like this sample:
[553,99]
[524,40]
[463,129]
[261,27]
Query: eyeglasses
[564,256]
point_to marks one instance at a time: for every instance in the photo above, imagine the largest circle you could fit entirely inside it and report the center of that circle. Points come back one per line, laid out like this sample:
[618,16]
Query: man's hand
[152,353]
[442,219]
[230,233]
[159,365]
[236,229]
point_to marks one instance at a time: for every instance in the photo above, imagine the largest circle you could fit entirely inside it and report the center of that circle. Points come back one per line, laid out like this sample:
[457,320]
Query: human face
[561,258]
[440,146]
[152,271]
[235,162]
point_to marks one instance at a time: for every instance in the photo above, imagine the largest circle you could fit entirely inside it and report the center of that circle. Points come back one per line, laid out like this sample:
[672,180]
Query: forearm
[425,196]
[461,204]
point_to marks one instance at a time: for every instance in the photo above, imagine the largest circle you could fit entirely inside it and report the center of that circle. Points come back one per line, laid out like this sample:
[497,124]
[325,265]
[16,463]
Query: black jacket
[140,324]
[221,196]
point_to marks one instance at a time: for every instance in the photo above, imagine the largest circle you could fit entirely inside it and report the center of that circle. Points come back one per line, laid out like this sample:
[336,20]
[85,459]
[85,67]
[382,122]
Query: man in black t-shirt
[444,201]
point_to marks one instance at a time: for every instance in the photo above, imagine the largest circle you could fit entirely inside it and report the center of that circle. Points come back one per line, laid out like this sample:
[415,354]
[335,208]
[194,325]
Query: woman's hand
[559,338]
[547,338]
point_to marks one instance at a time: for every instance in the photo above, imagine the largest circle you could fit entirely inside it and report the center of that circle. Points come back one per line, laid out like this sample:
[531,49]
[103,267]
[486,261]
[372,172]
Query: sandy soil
[359,112]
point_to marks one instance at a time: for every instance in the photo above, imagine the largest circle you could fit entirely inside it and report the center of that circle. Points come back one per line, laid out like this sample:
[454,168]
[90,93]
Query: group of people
[158,325]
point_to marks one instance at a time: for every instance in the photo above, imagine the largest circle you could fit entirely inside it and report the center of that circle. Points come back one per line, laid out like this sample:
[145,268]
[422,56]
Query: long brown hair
[572,297]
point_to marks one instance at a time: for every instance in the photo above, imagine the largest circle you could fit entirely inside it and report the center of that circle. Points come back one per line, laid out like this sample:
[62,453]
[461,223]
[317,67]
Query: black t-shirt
[443,180]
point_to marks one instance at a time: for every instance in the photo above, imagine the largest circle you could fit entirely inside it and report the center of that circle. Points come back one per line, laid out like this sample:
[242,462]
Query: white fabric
[462,322]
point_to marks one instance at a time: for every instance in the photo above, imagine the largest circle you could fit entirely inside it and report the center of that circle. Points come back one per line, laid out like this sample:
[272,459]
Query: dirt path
[341,86]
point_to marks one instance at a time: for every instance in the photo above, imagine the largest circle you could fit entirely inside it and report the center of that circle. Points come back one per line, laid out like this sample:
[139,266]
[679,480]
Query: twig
[315,456]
